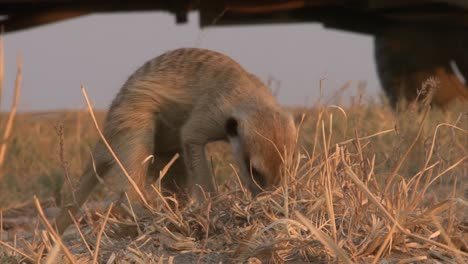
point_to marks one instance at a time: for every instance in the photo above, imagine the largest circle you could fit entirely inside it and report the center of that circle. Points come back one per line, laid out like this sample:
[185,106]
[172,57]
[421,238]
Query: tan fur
[179,102]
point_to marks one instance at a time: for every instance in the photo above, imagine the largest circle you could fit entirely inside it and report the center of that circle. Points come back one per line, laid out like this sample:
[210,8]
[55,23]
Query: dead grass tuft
[336,202]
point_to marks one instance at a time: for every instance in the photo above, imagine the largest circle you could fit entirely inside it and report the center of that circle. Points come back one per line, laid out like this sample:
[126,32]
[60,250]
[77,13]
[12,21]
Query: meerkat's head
[262,141]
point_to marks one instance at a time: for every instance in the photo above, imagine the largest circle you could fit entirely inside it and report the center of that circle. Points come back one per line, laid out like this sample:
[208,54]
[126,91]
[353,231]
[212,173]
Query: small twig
[208,220]
[53,254]
[174,217]
[16,250]
[367,137]
[213,175]
[384,245]
[446,237]
[132,212]
[166,168]
[52,231]
[81,233]
[99,237]
[40,253]
[63,162]
[244,191]
[324,239]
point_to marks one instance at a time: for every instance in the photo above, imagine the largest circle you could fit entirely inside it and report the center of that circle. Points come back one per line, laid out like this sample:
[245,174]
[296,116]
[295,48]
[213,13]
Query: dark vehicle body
[414,39]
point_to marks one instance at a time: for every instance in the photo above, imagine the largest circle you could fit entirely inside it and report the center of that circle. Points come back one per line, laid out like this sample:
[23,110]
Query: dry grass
[332,204]
[367,186]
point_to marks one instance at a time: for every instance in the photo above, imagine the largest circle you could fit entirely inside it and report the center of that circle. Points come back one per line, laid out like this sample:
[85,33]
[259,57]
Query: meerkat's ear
[232,127]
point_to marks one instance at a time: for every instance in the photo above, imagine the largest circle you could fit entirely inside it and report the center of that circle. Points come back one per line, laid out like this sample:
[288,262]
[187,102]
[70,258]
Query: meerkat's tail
[130,133]
[87,183]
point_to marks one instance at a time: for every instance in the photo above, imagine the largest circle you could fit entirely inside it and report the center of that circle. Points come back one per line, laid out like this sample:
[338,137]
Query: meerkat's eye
[231,127]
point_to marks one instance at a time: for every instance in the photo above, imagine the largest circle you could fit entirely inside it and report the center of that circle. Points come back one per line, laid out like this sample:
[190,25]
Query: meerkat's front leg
[196,133]
[200,177]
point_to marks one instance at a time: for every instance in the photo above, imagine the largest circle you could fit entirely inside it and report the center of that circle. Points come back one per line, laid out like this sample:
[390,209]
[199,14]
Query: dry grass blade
[431,150]
[243,245]
[81,234]
[11,116]
[446,237]
[328,184]
[367,137]
[203,249]
[412,260]
[132,182]
[454,165]
[454,250]
[429,157]
[171,215]
[31,258]
[99,237]
[132,211]
[341,110]
[324,239]
[374,199]
[168,166]
[52,231]
[63,161]
[369,194]
[239,181]
[53,254]
[384,244]
[405,156]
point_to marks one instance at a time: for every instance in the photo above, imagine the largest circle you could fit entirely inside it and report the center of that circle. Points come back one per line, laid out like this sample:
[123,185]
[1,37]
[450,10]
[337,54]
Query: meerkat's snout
[262,145]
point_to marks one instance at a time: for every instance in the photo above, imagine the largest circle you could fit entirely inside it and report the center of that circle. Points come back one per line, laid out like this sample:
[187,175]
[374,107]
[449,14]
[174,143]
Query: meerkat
[177,103]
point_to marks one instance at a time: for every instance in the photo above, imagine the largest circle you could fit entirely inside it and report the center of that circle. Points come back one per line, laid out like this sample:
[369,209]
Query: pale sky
[103,50]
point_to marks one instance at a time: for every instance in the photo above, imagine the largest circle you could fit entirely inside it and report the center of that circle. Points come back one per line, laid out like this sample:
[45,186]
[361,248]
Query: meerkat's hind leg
[132,147]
